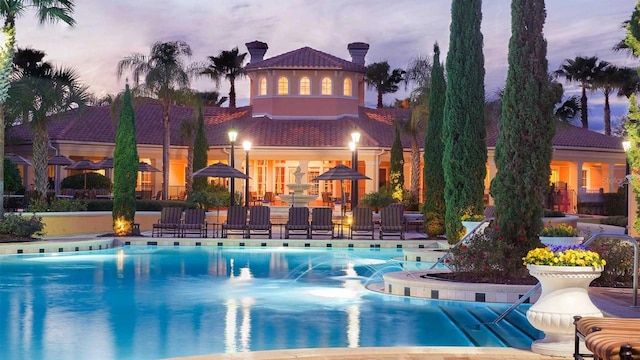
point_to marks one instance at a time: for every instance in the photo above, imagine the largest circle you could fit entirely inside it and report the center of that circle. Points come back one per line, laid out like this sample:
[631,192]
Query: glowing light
[121,227]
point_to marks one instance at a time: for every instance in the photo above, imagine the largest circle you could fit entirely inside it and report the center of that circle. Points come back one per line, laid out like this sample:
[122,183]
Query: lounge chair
[298,223]
[236,220]
[170,218]
[321,221]
[195,222]
[392,221]
[259,222]
[362,222]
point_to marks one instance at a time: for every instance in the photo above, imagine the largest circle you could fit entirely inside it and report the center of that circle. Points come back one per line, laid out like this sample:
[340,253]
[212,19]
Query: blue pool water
[158,302]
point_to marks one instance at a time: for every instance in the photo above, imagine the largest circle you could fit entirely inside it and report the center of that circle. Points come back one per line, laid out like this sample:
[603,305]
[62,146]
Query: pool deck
[611,301]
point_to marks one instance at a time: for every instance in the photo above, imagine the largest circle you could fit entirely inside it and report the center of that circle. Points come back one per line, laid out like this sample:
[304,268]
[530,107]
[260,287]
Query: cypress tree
[464,132]
[524,146]
[434,207]
[632,125]
[200,149]
[125,166]
[396,168]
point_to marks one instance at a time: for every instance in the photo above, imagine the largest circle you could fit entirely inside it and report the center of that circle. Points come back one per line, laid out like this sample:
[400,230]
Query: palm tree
[415,127]
[612,78]
[165,74]
[379,79]
[582,70]
[38,91]
[48,11]
[228,64]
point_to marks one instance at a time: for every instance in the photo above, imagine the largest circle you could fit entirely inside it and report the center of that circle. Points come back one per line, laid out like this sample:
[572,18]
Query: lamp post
[233,135]
[355,138]
[247,147]
[626,145]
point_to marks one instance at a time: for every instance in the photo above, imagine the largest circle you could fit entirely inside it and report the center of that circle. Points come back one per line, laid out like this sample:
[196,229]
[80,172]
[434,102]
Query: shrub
[94,181]
[141,205]
[619,256]
[614,203]
[377,199]
[434,224]
[40,205]
[552,213]
[12,178]
[486,257]
[212,196]
[15,225]
[622,221]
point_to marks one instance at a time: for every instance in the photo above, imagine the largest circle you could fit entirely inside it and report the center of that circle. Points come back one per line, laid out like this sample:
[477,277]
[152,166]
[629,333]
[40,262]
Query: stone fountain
[298,198]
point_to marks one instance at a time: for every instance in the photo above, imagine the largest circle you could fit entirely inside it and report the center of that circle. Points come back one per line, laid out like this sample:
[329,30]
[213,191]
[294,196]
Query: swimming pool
[157,302]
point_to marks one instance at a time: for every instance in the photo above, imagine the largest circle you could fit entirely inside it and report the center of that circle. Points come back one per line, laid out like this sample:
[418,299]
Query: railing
[596,236]
[480,226]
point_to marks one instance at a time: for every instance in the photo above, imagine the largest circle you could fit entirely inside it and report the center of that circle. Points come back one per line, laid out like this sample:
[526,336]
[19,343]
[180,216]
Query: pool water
[158,302]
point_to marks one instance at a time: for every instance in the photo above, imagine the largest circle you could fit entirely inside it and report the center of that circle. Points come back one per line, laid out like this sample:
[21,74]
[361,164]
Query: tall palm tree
[581,70]
[164,73]
[48,11]
[228,65]
[415,128]
[610,79]
[379,79]
[36,92]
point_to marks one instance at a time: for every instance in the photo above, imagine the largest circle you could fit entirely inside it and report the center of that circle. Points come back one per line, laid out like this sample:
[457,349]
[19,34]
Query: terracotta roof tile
[306,57]
[94,124]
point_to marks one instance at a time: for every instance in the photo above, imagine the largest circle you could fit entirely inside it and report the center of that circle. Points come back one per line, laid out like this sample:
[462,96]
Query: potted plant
[565,273]
[470,220]
[562,234]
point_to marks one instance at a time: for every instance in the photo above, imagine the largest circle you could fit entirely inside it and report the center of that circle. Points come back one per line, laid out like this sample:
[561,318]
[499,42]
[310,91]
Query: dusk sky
[397,31]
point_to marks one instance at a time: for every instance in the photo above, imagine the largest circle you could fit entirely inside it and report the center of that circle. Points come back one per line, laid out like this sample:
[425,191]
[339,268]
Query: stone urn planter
[564,295]
[561,240]
[470,226]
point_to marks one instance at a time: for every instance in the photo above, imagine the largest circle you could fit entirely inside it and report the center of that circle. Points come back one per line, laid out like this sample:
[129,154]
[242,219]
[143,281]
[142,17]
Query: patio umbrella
[341,172]
[84,164]
[57,161]
[106,163]
[220,170]
[17,159]
[144,167]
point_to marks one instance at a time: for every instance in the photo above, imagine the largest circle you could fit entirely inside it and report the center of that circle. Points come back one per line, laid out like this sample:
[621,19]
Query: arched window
[326,86]
[263,86]
[346,87]
[283,86]
[305,86]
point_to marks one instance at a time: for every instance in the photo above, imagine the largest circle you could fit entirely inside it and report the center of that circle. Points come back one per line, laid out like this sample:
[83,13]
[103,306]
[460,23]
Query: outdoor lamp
[353,145]
[233,135]
[247,147]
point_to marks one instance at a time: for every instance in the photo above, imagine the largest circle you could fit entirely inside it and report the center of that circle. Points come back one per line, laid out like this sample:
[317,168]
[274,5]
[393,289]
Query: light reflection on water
[148,303]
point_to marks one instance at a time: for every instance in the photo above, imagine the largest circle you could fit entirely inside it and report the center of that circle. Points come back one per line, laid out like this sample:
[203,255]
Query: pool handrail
[593,237]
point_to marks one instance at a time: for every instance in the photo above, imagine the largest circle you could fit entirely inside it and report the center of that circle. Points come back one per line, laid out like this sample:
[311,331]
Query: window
[280,168]
[585,178]
[347,87]
[283,86]
[326,86]
[315,184]
[305,86]
[260,172]
[263,86]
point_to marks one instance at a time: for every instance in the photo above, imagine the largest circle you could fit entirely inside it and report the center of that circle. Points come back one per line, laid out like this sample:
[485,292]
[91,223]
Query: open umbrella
[106,163]
[17,159]
[57,161]
[84,164]
[144,167]
[220,170]
[341,172]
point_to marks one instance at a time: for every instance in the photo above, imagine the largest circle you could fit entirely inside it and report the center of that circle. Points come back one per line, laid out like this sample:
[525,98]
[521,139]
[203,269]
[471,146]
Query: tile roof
[95,124]
[306,58]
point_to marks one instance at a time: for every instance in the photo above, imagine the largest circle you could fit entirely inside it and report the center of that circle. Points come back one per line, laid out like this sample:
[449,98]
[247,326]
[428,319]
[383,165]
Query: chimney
[257,49]
[358,51]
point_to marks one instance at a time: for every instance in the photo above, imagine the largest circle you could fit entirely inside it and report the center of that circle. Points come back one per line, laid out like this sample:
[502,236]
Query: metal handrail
[593,237]
[471,232]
